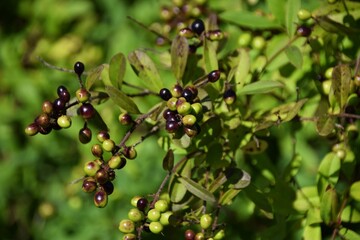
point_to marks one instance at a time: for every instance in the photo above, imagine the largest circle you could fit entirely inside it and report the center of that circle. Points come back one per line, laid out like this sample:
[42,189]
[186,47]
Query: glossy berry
[189,234]
[87,110]
[85,135]
[189,120]
[153,215]
[172,126]
[188,95]
[135,215]
[47,107]
[125,119]
[213,76]
[168,113]
[45,131]
[82,95]
[117,162]
[32,129]
[176,91]
[164,218]
[101,176]
[108,187]
[156,227]
[229,96]
[184,108]
[97,150]
[165,94]
[126,226]
[161,205]
[64,121]
[100,198]
[192,131]
[196,108]
[111,174]
[186,32]
[215,35]
[108,145]
[102,136]
[141,204]
[171,103]
[79,68]
[303,14]
[129,236]
[205,221]
[43,120]
[303,31]
[63,93]
[59,105]
[89,185]
[130,152]
[198,26]
[91,167]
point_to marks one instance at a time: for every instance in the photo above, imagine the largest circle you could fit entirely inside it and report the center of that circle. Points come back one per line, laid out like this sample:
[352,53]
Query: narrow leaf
[243,182]
[243,67]
[179,55]
[168,161]
[122,100]
[145,69]
[228,196]
[117,69]
[340,82]
[294,55]
[332,26]
[325,125]
[197,189]
[349,234]
[210,58]
[249,20]
[277,8]
[93,77]
[292,8]
[260,87]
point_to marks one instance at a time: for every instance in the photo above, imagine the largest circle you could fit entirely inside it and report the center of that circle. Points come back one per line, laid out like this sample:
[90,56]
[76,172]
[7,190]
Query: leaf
[312,232]
[243,68]
[210,58]
[145,69]
[349,234]
[249,20]
[105,75]
[292,7]
[286,112]
[255,147]
[325,125]
[243,182]
[258,198]
[341,82]
[260,87]
[122,100]
[93,77]
[228,196]
[117,70]
[329,206]
[332,26]
[214,155]
[350,214]
[292,168]
[177,190]
[277,8]
[329,168]
[183,142]
[197,189]
[179,55]
[294,55]
[168,161]
[355,191]
[313,216]
[97,122]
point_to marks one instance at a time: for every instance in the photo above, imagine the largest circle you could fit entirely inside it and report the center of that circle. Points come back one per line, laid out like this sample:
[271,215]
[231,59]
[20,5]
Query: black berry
[63,93]
[79,68]
[188,95]
[165,94]
[59,106]
[141,204]
[229,96]
[87,110]
[303,31]
[172,126]
[198,26]
[108,187]
[85,135]
[213,76]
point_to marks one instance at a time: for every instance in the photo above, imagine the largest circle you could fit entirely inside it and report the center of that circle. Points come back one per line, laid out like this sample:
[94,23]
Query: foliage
[267,149]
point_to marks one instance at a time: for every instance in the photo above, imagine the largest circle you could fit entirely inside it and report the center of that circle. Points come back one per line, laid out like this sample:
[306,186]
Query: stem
[49,65]
[152,132]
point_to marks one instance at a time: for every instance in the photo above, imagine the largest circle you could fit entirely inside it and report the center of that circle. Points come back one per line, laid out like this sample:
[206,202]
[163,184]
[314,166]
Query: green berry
[171,103]
[187,33]
[91,167]
[215,35]
[244,39]
[219,235]
[258,42]
[205,221]
[135,215]
[303,14]
[189,120]
[129,236]
[328,73]
[183,108]
[156,227]
[326,86]
[117,162]
[32,129]
[82,95]
[176,91]
[108,145]
[126,226]
[154,215]
[102,136]
[164,218]
[199,236]
[161,205]
[100,198]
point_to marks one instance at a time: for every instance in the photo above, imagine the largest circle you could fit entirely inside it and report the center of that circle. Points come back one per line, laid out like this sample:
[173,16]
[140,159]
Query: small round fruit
[326,86]
[244,39]
[189,120]
[215,35]
[130,152]
[176,91]
[172,126]
[108,145]
[32,129]
[102,136]
[205,221]
[126,226]
[303,14]
[129,236]
[97,150]
[328,72]
[135,215]
[196,108]
[258,42]
[213,76]
[47,107]
[59,105]
[79,68]
[108,187]
[141,203]
[125,119]
[303,31]
[198,26]
[154,215]
[85,135]
[64,121]
[89,185]
[91,167]
[186,32]
[156,227]
[164,218]
[189,234]
[87,110]
[161,205]
[168,113]
[101,176]
[184,108]
[199,236]
[117,162]
[82,95]
[165,94]
[219,235]
[229,96]
[171,103]
[188,95]
[100,198]
[192,131]
[63,93]
[134,200]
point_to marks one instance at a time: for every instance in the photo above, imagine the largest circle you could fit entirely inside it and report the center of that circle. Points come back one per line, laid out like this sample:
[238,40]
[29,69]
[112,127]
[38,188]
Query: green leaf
[228,196]
[196,189]
[286,112]
[93,77]
[294,55]
[179,55]
[350,214]
[329,206]
[325,125]
[255,147]
[210,57]
[145,69]
[177,192]
[313,216]
[341,82]
[249,20]
[258,198]
[122,100]
[306,198]
[243,182]
[312,232]
[117,70]
[332,26]
[349,234]
[277,8]
[292,168]
[105,75]
[329,168]
[260,87]
[168,161]
[292,7]
[355,191]
[242,68]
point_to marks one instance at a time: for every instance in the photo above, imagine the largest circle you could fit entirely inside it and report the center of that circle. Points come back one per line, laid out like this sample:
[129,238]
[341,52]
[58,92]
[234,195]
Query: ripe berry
[32,129]
[63,93]
[101,176]
[189,234]
[213,76]
[125,119]
[59,106]
[97,150]
[100,198]
[43,120]
[161,205]
[126,226]
[141,203]
[165,94]
[168,113]
[117,162]
[197,26]
[192,131]
[79,68]
[85,135]
[303,31]
[156,227]
[82,95]
[87,110]
[91,167]
[229,96]
[135,215]
[47,107]
[188,95]
[108,145]
[89,185]
[64,121]
[172,126]
[108,187]
[45,131]
[205,221]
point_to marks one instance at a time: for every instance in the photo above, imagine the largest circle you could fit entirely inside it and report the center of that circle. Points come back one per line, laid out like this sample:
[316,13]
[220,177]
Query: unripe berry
[187,33]
[189,120]
[196,108]
[126,226]
[102,136]
[213,76]
[258,42]
[156,227]
[64,121]
[154,215]
[91,167]
[161,205]
[47,107]
[229,96]
[129,236]
[198,26]
[32,129]
[171,103]
[100,198]
[87,110]
[165,94]
[189,234]
[82,95]
[85,135]
[79,68]
[134,200]
[303,14]
[117,162]
[244,39]
[199,236]
[328,73]
[135,215]
[184,108]
[130,152]
[219,235]
[108,145]
[176,91]
[205,221]
[125,119]
[164,218]
[89,185]
[215,35]
[63,93]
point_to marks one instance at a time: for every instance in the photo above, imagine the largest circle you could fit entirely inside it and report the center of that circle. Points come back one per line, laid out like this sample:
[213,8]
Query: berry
[196,108]
[97,150]
[100,198]
[32,129]
[125,119]
[188,95]
[303,31]
[87,110]
[199,236]
[189,120]
[244,39]
[43,120]
[64,121]
[189,234]
[47,107]
[117,162]
[229,96]
[197,26]
[303,14]
[141,203]
[45,131]
[129,236]
[135,215]
[161,205]
[63,93]
[213,76]
[258,42]
[154,215]
[79,68]
[130,152]
[102,136]
[186,32]
[108,145]
[176,91]
[101,176]
[164,218]
[59,106]
[90,168]
[85,135]
[89,185]
[111,174]
[168,113]
[171,103]
[172,126]
[134,200]
[108,187]
[165,94]
[328,73]
[192,131]
[156,227]
[126,226]
[183,108]
[82,95]
[219,235]
[215,35]
[205,221]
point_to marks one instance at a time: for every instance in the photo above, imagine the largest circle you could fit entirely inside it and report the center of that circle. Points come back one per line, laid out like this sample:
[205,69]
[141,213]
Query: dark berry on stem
[213,76]
[172,126]
[45,131]
[108,187]
[89,185]
[47,107]
[87,110]
[130,152]
[141,204]
[229,96]
[176,91]
[79,68]
[43,120]
[59,106]
[63,93]
[100,198]
[125,119]
[188,95]
[32,129]
[198,26]
[167,113]
[303,31]
[101,176]
[85,135]
[111,174]
[189,234]
[165,94]
[97,150]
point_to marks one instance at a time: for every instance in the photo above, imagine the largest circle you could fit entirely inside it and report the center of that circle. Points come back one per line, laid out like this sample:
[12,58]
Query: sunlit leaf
[228,196]
[292,7]
[117,69]
[105,75]
[93,77]
[122,100]
[179,55]
[355,191]
[168,161]
[277,8]
[249,20]
[329,206]
[351,214]
[260,87]
[210,58]
[243,67]
[197,189]
[312,232]
[349,234]
[306,198]
[313,216]
[146,70]
[294,55]
[340,82]
[329,167]
[177,192]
